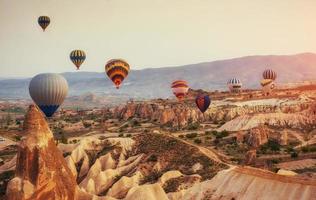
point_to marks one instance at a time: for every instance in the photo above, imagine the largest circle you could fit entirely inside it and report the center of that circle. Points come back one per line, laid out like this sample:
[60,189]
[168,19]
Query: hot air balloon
[267,83]
[203,102]
[117,70]
[48,91]
[180,89]
[269,74]
[43,21]
[77,57]
[234,85]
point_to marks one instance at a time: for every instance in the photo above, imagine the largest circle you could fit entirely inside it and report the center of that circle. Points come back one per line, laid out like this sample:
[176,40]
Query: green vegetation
[5,177]
[193,126]
[294,154]
[197,141]
[63,139]
[17,137]
[307,149]
[270,146]
[220,135]
[152,158]
[135,123]
[191,135]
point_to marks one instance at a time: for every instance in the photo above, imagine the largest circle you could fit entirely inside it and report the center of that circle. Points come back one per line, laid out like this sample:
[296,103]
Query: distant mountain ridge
[155,82]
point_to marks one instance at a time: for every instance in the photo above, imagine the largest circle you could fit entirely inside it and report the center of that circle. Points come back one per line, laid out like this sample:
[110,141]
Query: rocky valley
[163,149]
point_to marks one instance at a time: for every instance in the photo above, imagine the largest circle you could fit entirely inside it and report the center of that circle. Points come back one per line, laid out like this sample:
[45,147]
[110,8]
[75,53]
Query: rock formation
[41,171]
[257,137]
[239,115]
[251,183]
[250,157]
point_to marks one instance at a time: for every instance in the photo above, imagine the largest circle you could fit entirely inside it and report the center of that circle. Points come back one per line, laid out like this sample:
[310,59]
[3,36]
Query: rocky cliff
[41,171]
[240,116]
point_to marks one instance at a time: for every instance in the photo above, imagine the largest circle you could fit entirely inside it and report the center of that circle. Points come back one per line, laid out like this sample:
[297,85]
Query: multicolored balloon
[269,74]
[77,57]
[117,70]
[203,102]
[48,91]
[180,89]
[234,84]
[43,21]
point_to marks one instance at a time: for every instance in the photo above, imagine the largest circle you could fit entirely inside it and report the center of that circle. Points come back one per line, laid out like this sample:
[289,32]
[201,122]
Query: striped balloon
[48,91]
[43,21]
[203,102]
[234,84]
[77,57]
[117,70]
[180,89]
[269,74]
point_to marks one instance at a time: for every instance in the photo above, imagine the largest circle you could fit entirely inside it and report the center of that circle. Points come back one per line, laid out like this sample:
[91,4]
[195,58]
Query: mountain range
[155,82]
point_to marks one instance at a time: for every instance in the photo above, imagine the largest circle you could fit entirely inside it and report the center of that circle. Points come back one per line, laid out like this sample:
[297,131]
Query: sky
[149,33]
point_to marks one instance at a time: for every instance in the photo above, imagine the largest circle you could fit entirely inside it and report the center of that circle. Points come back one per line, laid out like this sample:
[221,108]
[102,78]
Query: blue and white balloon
[48,91]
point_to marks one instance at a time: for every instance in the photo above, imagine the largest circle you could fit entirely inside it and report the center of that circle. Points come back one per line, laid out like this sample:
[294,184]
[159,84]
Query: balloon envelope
[77,57]
[43,21]
[269,74]
[117,70]
[234,84]
[180,89]
[48,91]
[203,102]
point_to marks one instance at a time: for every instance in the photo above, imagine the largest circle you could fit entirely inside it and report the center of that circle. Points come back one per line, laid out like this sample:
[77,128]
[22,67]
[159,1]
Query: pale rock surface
[169,175]
[286,172]
[147,192]
[121,187]
[252,183]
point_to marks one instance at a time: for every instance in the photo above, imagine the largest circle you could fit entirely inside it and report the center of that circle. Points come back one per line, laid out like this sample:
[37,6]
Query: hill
[155,82]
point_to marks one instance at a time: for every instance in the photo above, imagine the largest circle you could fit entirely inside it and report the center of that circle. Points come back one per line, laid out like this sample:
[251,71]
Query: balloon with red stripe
[117,70]
[180,89]
[202,102]
[269,74]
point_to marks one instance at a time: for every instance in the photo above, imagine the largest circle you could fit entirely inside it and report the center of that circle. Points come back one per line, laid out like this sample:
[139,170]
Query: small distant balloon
[234,84]
[48,91]
[269,74]
[180,89]
[117,70]
[43,21]
[77,57]
[203,102]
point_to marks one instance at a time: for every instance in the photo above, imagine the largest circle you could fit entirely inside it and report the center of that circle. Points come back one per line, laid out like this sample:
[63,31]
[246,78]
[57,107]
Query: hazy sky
[149,33]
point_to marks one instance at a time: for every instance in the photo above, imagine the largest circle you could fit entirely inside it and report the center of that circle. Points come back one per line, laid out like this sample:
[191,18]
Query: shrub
[191,135]
[294,154]
[208,132]
[121,135]
[193,126]
[181,136]
[197,141]
[135,123]
[64,139]
[152,158]
[17,137]
[128,135]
